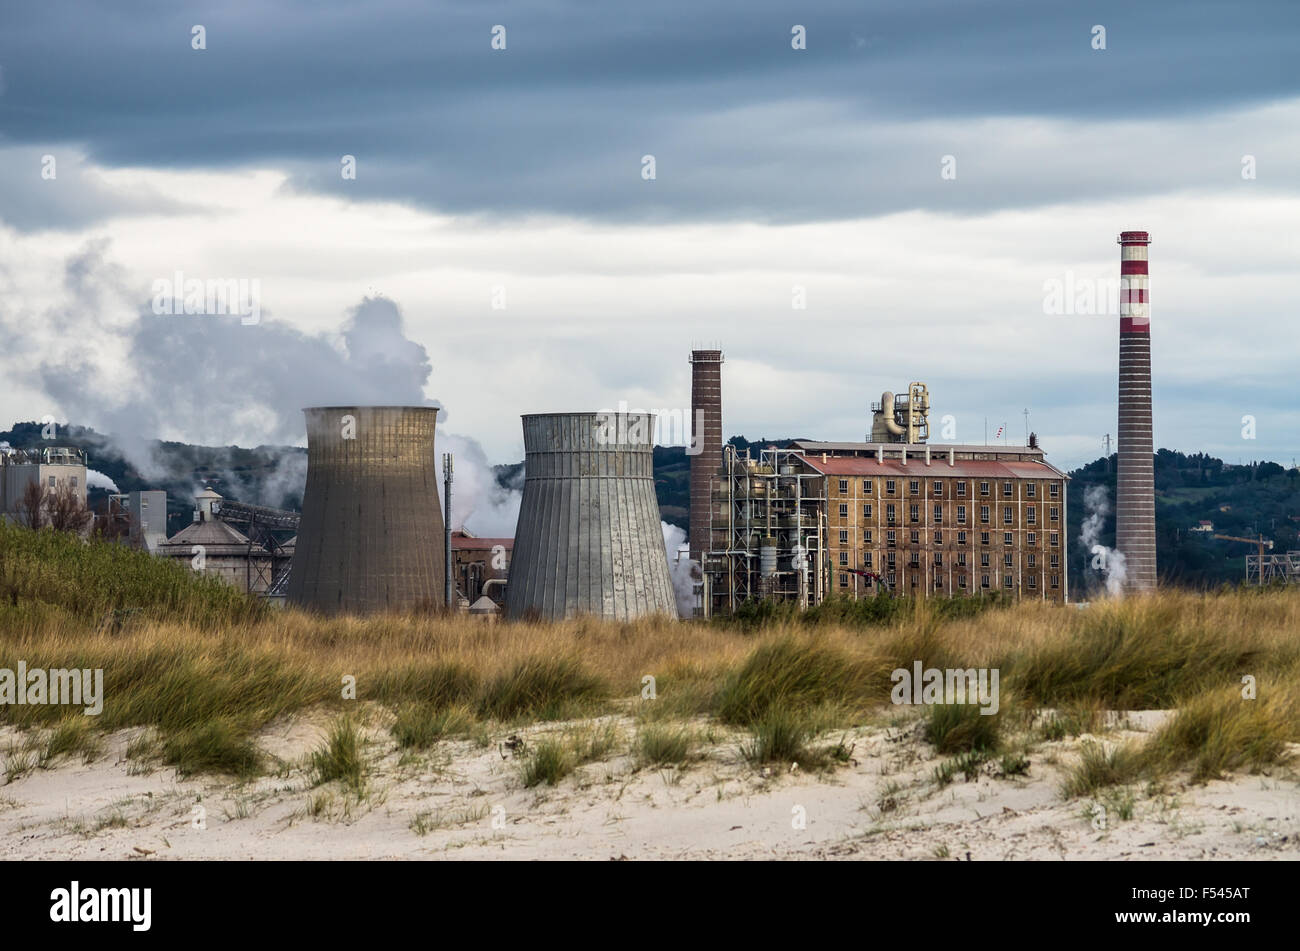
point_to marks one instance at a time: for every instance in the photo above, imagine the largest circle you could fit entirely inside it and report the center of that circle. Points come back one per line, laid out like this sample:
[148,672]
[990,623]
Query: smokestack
[1135,506]
[589,539]
[706,434]
[370,537]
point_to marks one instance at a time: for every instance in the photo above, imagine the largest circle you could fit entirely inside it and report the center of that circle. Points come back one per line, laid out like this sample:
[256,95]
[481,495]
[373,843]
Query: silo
[370,538]
[589,540]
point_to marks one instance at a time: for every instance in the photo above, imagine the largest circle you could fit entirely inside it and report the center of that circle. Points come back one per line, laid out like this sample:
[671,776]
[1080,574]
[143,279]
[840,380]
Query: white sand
[471,803]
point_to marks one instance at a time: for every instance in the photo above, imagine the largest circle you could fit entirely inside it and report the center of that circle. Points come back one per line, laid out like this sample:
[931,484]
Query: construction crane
[1261,543]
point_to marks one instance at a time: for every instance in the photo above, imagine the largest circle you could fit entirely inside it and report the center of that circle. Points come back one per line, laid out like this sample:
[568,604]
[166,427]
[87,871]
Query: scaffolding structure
[1273,569]
[767,532]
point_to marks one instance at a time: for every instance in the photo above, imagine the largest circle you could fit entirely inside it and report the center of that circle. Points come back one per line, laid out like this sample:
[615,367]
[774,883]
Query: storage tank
[589,539]
[371,534]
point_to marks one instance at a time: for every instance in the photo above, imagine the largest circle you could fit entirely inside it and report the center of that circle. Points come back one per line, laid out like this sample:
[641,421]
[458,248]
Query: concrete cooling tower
[589,539]
[371,534]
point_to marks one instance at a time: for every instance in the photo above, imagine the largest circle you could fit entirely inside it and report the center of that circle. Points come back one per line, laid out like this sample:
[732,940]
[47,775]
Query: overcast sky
[918,176]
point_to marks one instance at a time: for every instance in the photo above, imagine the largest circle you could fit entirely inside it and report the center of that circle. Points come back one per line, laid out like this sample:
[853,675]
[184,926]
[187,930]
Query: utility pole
[450,588]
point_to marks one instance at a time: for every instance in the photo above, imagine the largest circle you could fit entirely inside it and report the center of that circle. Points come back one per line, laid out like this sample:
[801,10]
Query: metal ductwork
[589,539]
[371,534]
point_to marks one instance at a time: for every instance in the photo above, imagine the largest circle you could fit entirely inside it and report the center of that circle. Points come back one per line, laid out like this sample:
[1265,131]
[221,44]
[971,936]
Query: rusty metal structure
[1135,508]
[371,534]
[589,539]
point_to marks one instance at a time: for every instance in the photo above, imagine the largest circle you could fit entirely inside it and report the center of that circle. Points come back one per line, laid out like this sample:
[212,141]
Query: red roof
[938,467]
[462,542]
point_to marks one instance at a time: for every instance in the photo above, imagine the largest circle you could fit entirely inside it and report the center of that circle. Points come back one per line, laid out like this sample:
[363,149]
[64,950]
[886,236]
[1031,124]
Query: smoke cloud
[679,569]
[107,361]
[1109,564]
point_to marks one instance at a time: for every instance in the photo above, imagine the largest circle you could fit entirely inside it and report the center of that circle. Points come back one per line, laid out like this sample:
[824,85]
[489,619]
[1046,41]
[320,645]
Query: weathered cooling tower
[1135,504]
[706,434]
[370,538]
[589,539]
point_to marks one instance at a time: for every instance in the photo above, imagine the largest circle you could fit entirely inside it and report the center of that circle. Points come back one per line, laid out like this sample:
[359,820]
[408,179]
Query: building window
[938,558]
[1006,490]
[844,486]
[961,488]
[891,514]
[1006,560]
[1056,513]
[844,581]
[938,538]
[866,486]
[1056,581]
[984,581]
[893,579]
[1056,560]
[892,558]
[916,557]
[844,558]
[866,537]
[889,486]
[938,489]
[1006,581]
[914,487]
[916,538]
[961,582]
[914,512]
[984,514]
[984,538]
[984,559]
[844,510]
[961,559]
[891,539]
[866,560]
[938,582]
[961,538]
[866,510]
[938,514]
[1033,581]
[1006,515]
[1031,539]
[844,536]
[1054,489]
[1006,539]
[1031,489]
[961,515]
[1055,539]
[984,488]
[1032,559]
[1031,516]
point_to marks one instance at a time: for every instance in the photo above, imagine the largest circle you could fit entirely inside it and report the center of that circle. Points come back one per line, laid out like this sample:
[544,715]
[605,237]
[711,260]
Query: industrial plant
[895,514]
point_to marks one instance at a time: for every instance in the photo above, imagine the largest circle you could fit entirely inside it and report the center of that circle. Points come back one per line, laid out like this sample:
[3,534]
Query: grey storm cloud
[741,125]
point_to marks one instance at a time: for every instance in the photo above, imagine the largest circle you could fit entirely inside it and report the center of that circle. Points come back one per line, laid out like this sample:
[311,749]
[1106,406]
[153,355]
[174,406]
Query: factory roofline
[861,458]
[463,541]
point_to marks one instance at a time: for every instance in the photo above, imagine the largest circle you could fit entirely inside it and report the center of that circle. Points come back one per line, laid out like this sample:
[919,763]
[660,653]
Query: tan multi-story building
[823,519]
[946,520]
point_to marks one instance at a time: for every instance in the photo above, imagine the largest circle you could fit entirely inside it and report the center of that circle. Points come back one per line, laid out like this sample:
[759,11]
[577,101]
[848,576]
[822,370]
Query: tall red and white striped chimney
[1135,506]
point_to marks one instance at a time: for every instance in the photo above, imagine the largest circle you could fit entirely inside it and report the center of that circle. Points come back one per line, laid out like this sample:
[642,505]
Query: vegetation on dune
[206,670]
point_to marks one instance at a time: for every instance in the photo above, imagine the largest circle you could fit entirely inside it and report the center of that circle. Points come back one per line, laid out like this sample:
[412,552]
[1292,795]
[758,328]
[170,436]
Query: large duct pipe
[370,537]
[1135,505]
[706,436]
[589,539]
